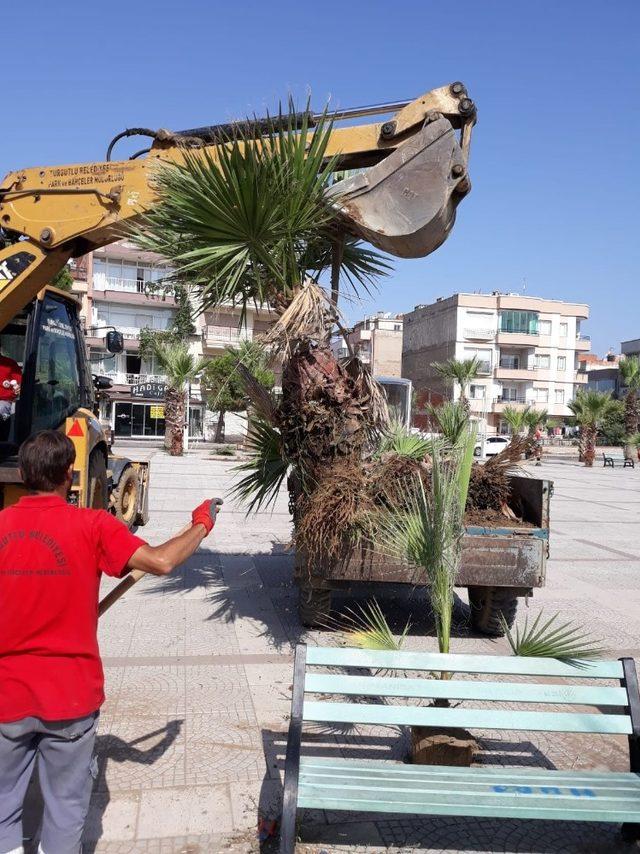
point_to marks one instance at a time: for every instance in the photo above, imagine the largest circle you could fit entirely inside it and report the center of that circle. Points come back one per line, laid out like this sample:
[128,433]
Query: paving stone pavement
[198,672]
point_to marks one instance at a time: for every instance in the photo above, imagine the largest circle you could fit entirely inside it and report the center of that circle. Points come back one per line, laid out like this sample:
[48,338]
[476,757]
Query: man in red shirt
[52,556]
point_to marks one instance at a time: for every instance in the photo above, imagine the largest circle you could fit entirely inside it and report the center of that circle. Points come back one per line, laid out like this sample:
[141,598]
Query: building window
[559,395]
[477,392]
[564,330]
[503,428]
[541,395]
[562,363]
[543,361]
[544,327]
[524,322]
[512,393]
[397,327]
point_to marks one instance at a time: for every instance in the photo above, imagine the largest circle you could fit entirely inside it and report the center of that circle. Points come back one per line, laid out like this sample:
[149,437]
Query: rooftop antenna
[524,284]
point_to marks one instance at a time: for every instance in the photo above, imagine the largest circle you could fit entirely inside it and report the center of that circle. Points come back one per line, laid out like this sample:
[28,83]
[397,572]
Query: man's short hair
[44,460]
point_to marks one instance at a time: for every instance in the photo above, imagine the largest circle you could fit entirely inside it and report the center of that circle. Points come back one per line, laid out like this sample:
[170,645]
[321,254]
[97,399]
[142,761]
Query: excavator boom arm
[62,212]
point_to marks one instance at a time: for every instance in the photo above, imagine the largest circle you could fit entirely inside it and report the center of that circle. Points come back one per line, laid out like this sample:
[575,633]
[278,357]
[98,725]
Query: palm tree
[181,368]
[590,409]
[250,224]
[517,419]
[630,379]
[460,371]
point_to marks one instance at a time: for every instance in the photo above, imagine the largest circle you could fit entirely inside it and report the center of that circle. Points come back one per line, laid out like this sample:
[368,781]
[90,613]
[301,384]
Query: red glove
[205,513]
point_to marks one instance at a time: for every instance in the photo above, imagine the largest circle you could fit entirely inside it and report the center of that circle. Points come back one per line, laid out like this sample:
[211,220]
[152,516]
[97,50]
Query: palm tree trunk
[175,409]
[219,437]
[589,445]
[630,422]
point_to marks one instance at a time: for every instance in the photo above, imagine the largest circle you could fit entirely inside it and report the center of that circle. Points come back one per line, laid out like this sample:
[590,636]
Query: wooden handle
[127,583]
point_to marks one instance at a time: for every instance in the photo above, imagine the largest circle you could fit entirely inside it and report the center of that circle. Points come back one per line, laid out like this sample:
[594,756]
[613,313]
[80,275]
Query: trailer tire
[98,492]
[314,605]
[125,497]
[487,604]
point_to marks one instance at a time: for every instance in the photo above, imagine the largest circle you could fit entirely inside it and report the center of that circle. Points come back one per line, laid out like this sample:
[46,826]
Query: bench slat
[395,779]
[498,664]
[517,806]
[361,713]
[511,692]
[525,776]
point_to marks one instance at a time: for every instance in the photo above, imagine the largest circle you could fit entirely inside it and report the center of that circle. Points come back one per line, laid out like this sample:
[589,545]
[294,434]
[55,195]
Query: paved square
[198,671]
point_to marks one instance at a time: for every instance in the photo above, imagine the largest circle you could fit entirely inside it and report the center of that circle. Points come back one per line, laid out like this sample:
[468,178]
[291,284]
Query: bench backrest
[328,696]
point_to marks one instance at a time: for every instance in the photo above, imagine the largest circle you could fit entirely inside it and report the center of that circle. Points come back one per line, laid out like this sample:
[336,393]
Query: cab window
[57,381]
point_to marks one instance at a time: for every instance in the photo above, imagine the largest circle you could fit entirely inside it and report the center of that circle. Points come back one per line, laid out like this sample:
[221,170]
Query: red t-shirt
[51,559]
[9,370]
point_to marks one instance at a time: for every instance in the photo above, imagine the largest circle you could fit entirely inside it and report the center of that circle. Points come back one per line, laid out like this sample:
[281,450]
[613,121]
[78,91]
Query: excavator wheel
[98,492]
[488,604]
[124,498]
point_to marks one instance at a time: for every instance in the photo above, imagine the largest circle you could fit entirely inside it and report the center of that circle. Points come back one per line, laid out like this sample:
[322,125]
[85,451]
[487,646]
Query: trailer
[499,566]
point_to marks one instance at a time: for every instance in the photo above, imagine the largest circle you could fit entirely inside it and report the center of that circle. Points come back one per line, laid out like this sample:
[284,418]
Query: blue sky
[554,167]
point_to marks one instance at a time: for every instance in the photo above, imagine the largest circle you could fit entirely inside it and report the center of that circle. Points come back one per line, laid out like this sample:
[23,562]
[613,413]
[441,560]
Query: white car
[492,446]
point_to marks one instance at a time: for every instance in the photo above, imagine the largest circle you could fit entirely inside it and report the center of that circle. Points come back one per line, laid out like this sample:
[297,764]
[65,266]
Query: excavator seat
[406,204]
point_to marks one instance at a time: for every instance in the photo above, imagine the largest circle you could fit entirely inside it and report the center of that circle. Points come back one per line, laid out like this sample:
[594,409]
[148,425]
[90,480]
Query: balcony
[508,372]
[515,339]
[583,342]
[479,334]
[501,403]
[225,336]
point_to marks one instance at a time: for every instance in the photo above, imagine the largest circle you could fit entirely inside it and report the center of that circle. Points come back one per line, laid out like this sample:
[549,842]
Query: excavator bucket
[406,204]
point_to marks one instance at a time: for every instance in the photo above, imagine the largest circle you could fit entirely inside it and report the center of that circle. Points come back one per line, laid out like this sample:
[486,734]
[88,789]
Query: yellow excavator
[410,174]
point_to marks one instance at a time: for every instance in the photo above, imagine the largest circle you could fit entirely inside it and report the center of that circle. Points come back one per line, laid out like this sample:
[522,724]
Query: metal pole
[357,112]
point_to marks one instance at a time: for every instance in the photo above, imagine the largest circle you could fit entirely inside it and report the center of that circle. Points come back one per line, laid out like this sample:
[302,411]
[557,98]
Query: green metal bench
[609,460]
[393,787]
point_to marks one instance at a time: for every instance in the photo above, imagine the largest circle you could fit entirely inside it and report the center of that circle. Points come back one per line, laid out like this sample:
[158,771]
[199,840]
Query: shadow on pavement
[109,748]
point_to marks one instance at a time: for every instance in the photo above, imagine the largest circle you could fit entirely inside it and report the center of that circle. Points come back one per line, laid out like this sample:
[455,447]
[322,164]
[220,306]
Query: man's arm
[161,560]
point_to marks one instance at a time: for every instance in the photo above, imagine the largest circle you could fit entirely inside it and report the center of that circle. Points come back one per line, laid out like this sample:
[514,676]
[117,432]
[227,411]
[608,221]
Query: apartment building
[528,348]
[377,340]
[121,286]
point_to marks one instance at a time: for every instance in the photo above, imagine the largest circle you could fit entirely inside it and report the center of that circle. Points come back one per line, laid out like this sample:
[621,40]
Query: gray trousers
[66,768]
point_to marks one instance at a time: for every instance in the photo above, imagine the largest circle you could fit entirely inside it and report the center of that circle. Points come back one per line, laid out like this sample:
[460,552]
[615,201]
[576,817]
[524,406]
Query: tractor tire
[98,492]
[488,604]
[124,498]
[314,605]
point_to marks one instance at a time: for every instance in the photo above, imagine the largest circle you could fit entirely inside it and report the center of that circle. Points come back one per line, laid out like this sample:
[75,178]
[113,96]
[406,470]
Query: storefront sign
[156,411]
[152,391]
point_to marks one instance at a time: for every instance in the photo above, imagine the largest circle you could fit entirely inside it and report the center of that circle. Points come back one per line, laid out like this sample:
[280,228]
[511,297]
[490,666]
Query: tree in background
[63,280]
[591,409]
[223,386]
[461,372]
[181,368]
[516,419]
[630,379]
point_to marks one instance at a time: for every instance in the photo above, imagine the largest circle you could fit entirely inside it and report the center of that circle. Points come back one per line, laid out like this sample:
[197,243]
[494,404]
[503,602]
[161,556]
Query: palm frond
[461,371]
[452,420]
[427,531]
[366,627]
[398,440]
[310,315]
[565,641]
[246,220]
[176,360]
[266,469]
